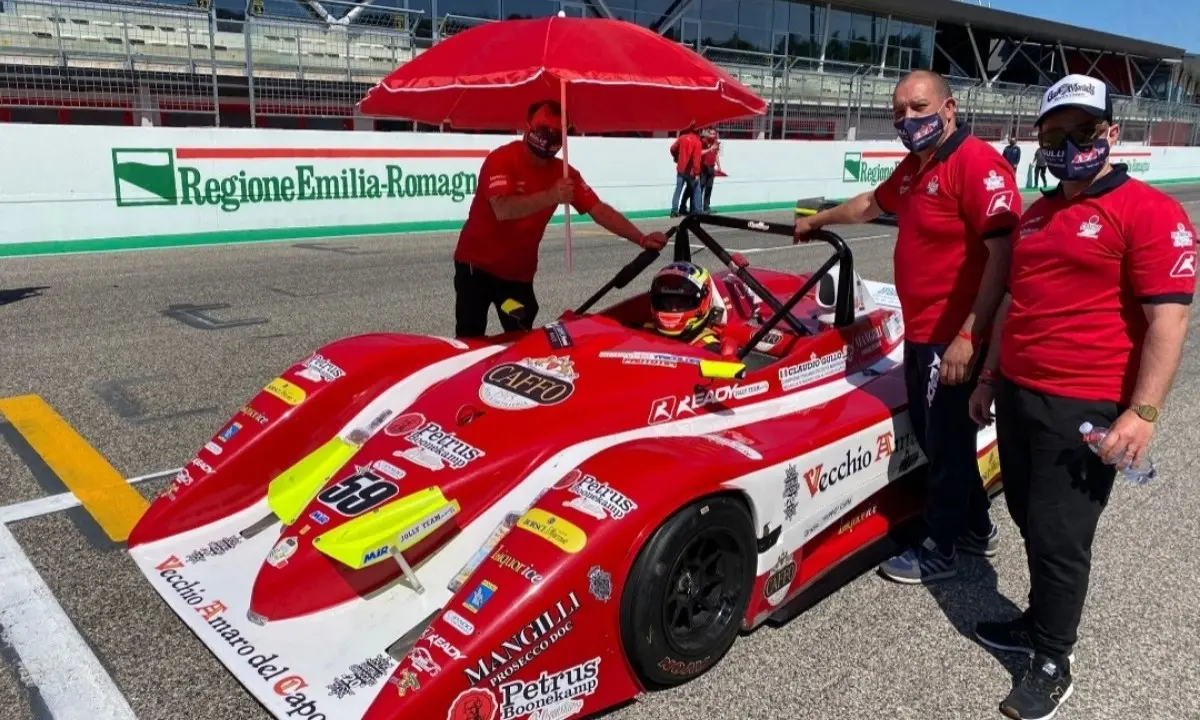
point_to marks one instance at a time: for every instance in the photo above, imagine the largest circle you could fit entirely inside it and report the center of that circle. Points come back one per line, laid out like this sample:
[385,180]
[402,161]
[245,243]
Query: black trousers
[941,419]
[707,175]
[1056,488]
[1039,176]
[477,291]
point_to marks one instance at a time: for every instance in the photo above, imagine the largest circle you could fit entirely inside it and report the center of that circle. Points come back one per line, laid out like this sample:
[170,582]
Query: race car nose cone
[295,580]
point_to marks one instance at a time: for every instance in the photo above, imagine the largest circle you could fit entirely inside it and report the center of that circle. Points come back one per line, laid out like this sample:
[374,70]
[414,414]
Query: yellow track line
[114,504]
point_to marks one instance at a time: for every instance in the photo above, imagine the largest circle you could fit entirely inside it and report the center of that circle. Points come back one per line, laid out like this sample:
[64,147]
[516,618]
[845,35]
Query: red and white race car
[545,524]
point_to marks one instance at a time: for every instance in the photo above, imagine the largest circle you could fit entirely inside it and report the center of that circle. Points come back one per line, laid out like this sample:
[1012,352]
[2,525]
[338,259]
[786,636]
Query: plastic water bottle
[1139,474]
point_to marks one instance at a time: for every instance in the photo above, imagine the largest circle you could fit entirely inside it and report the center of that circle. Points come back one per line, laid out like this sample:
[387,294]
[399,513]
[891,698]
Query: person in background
[520,186]
[1039,168]
[956,204]
[710,162]
[1091,330]
[1012,152]
[687,151]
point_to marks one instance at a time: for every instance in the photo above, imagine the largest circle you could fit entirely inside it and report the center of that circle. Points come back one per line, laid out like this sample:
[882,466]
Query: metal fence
[183,65]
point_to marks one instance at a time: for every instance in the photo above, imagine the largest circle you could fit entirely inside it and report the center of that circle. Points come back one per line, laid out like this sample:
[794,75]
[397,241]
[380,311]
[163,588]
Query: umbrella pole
[562,84]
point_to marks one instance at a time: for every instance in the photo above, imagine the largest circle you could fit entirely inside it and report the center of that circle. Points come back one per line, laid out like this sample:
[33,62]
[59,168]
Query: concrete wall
[86,188]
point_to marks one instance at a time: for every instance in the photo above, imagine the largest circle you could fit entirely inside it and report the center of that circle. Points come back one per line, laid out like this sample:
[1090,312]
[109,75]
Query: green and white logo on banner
[144,176]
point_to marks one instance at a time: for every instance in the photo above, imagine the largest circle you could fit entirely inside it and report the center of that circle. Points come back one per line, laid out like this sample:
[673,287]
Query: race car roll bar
[782,311]
[624,276]
[842,257]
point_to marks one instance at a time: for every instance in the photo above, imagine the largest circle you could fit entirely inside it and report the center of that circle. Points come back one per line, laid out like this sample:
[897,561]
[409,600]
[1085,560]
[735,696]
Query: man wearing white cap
[1090,331]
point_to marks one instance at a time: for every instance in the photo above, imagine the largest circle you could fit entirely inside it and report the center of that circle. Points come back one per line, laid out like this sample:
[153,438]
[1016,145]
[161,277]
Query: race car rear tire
[688,591]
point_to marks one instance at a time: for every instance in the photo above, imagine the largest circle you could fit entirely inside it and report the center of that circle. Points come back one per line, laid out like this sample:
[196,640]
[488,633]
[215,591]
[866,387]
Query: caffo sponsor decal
[231,178]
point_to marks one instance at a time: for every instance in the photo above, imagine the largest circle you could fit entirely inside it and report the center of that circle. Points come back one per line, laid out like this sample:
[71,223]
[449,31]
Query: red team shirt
[509,249]
[965,195]
[1081,271]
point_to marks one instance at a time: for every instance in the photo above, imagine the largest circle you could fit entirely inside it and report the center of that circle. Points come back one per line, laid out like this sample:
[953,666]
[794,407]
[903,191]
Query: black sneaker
[1011,636]
[1046,686]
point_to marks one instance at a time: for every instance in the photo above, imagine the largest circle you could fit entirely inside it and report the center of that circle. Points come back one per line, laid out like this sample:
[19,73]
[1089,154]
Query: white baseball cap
[1078,91]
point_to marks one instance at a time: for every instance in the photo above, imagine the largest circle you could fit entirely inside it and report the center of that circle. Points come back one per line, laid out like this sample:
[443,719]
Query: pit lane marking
[111,501]
[56,665]
[62,501]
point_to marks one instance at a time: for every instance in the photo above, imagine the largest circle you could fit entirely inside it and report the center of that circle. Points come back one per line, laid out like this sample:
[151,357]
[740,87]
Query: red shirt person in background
[1091,330]
[710,162]
[686,150]
[520,186]
[956,202]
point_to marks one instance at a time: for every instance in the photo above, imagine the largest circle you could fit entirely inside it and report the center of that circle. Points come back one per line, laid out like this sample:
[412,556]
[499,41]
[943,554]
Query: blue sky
[1170,22]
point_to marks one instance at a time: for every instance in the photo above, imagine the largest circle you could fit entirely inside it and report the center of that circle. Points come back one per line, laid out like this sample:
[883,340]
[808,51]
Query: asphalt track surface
[89,335]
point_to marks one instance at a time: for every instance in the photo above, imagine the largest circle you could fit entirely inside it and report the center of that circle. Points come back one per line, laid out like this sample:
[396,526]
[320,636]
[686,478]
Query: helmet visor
[674,294]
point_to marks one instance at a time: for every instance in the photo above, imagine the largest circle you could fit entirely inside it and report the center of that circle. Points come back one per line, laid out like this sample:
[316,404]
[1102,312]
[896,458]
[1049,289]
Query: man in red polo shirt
[1091,330]
[956,202]
[520,185]
[687,151]
[710,163]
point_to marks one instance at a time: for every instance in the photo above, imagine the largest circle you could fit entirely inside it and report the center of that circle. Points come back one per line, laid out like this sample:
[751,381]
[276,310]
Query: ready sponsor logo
[284,683]
[670,408]
[870,166]
[231,178]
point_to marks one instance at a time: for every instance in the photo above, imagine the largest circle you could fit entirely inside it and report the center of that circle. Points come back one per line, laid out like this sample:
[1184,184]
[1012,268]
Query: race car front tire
[688,591]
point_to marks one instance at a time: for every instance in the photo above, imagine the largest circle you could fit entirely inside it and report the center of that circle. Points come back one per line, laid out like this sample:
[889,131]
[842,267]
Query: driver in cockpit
[681,302]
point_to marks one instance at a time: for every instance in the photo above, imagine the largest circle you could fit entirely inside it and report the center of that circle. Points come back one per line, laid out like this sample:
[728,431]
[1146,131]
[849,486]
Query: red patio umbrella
[608,75]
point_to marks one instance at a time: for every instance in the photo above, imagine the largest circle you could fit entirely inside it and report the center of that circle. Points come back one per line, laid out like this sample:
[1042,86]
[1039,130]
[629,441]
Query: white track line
[57,503]
[53,656]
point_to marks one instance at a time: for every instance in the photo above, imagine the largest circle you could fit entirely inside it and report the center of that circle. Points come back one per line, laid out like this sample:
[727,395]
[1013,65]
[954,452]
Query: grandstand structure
[827,68]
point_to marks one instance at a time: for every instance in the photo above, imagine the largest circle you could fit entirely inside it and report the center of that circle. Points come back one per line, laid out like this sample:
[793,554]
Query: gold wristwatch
[1149,413]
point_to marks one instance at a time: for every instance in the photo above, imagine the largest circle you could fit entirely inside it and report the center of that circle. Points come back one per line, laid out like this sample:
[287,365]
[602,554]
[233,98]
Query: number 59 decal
[358,493]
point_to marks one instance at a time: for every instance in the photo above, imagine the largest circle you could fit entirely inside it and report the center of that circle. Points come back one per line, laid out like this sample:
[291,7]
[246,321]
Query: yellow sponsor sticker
[989,465]
[286,391]
[553,529]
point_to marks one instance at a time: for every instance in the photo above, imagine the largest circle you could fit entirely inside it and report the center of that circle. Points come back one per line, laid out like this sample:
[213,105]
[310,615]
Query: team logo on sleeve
[1001,202]
[993,181]
[1185,266]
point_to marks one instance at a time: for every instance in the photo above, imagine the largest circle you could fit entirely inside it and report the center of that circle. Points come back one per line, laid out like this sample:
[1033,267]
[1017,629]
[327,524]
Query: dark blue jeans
[942,423]
[694,193]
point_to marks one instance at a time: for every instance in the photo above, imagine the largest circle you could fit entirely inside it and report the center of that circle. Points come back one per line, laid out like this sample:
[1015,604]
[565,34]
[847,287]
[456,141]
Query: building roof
[962,13]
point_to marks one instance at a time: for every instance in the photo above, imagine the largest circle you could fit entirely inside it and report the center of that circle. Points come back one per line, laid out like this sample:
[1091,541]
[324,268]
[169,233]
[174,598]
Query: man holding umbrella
[520,185]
